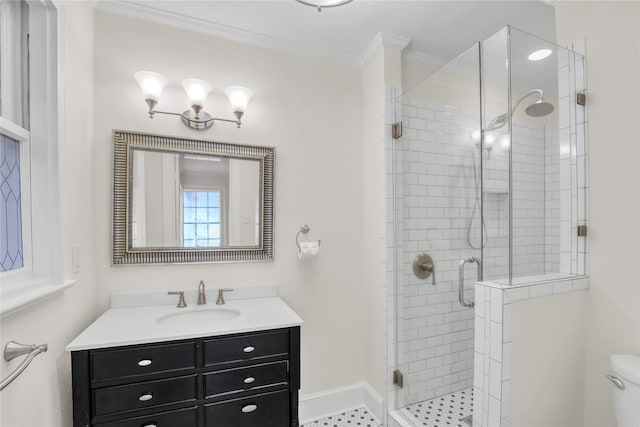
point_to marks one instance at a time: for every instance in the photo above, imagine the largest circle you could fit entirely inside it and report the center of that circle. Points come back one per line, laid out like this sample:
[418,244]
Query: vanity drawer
[263,410]
[146,394]
[240,379]
[142,360]
[180,418]
[235,349]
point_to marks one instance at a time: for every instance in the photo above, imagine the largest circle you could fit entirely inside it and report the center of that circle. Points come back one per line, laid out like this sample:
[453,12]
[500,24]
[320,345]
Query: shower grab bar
[464,303]
[13,350]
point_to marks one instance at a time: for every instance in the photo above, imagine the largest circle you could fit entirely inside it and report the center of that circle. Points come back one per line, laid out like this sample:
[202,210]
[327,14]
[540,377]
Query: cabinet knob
[249,380]
[249,408]
[248,349]
[145,362]
[145,397]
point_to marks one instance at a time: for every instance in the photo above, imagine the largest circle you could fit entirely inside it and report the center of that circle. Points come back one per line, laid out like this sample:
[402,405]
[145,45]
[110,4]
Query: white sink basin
[207,316]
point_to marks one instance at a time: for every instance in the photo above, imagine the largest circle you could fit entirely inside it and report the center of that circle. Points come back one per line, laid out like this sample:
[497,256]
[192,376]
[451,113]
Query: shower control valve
[423,267]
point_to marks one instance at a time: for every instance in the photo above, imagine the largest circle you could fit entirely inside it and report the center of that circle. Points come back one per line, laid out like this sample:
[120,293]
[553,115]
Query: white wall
[373,220]
[547,360]
[612,34]
[46,384]
[311,112]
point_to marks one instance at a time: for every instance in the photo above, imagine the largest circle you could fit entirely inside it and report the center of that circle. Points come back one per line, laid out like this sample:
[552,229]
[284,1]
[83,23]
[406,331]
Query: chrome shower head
[539,109]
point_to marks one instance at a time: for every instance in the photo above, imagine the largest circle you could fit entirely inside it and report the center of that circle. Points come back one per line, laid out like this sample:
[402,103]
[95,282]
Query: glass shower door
[438,212]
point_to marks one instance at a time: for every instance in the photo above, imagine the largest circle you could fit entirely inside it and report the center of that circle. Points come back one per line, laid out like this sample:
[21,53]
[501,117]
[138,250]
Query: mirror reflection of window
[202,225]
[194,200]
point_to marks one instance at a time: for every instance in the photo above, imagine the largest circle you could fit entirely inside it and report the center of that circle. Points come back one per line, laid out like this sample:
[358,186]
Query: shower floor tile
[443,411]
[355,417]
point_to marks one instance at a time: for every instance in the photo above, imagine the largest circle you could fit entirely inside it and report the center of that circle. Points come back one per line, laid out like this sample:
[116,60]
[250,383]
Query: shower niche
[491,167]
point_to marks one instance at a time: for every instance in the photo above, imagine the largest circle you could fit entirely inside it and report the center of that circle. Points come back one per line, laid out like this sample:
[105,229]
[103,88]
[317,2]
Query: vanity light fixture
[152,84]
[539,55]
[320,4]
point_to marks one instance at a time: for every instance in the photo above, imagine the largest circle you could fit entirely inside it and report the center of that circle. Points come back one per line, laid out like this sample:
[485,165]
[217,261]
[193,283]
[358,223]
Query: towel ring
[303,230]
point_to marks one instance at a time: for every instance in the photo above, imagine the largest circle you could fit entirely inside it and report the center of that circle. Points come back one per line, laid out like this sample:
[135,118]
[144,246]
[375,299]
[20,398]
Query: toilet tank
[626,369]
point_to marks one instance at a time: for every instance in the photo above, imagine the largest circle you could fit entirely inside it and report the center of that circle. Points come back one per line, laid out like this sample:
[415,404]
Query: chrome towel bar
[13,350]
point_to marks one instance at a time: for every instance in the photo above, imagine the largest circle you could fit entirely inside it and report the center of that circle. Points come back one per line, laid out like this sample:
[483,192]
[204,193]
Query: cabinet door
[264,410]
[179,418]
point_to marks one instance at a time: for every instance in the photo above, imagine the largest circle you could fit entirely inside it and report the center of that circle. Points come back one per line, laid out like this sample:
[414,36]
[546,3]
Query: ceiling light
[539,54]
[152,85]
[320,4]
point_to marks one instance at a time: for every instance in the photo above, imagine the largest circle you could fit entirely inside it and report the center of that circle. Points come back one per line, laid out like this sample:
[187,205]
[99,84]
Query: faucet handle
[181,302]
[221,292]
[202,297]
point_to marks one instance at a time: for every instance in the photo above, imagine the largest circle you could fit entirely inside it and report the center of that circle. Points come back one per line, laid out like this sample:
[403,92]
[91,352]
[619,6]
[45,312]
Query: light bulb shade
[197,91]
[489,141]
[151,84]
[324,3]
[238,98]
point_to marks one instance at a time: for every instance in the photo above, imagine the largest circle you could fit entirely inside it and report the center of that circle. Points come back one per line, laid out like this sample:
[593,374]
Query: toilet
[625,383]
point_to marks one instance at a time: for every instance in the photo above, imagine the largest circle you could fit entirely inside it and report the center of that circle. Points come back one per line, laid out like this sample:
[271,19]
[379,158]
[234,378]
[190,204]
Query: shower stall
[488,185]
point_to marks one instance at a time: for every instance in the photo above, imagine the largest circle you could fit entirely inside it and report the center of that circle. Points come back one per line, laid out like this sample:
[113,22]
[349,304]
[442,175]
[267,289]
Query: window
[11,250]
[30,243]
[201,218]
[15,218]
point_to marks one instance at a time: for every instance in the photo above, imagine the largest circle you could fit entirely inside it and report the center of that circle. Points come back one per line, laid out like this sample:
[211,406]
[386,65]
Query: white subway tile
[506,399]
[496,305]
[506,322]
[563,286]
[506,361]
[580,284]
[517,294]
[496,341]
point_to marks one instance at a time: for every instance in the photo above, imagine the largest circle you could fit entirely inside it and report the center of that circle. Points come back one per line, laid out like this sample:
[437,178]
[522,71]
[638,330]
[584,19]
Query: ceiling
[438,30]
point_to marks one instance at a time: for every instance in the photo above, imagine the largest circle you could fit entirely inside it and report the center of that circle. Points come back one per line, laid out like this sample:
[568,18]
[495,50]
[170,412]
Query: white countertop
[137,325]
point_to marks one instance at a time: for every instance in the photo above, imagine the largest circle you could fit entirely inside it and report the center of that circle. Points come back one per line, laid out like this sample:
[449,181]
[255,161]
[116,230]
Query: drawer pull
[249,380]
[248,349]
[145,397]
[249,408]
[145,362]
[150,425]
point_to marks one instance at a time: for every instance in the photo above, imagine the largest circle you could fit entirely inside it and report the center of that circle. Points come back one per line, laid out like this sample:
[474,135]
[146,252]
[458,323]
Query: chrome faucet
[220,299]
[202,298]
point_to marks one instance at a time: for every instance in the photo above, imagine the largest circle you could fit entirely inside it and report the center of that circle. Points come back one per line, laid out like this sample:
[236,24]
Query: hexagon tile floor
[450,410]
[356,417]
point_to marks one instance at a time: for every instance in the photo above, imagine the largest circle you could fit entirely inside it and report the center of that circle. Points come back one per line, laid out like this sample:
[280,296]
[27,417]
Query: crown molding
[425,58]
[383,41]
[149,13]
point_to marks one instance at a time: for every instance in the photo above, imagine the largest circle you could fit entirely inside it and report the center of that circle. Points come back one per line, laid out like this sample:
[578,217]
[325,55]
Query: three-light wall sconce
[152,84]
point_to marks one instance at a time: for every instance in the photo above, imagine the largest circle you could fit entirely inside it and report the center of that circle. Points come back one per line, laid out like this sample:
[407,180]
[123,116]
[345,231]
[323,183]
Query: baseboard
[319,405]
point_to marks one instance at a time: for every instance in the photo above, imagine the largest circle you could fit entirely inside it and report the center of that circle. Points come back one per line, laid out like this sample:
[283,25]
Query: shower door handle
[464,303]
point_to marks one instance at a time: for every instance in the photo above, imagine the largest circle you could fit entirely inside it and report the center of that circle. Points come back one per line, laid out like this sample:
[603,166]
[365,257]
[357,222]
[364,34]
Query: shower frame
[575,268]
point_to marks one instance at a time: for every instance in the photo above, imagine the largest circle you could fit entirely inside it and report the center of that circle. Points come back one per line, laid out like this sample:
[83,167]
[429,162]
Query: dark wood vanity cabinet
[241,380]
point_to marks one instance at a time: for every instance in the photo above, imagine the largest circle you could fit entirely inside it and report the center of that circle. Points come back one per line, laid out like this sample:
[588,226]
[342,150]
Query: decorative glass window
[201,219]
[31,263]
[11,250]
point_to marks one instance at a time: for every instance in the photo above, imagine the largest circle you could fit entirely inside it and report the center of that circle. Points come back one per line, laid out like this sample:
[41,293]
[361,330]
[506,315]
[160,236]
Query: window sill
[13,301]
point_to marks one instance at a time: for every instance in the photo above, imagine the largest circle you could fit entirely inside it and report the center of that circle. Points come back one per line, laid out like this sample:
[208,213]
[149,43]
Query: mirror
[183,201]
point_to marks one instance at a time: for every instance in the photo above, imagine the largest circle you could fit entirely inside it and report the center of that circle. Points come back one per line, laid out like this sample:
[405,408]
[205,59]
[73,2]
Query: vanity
[234,365]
